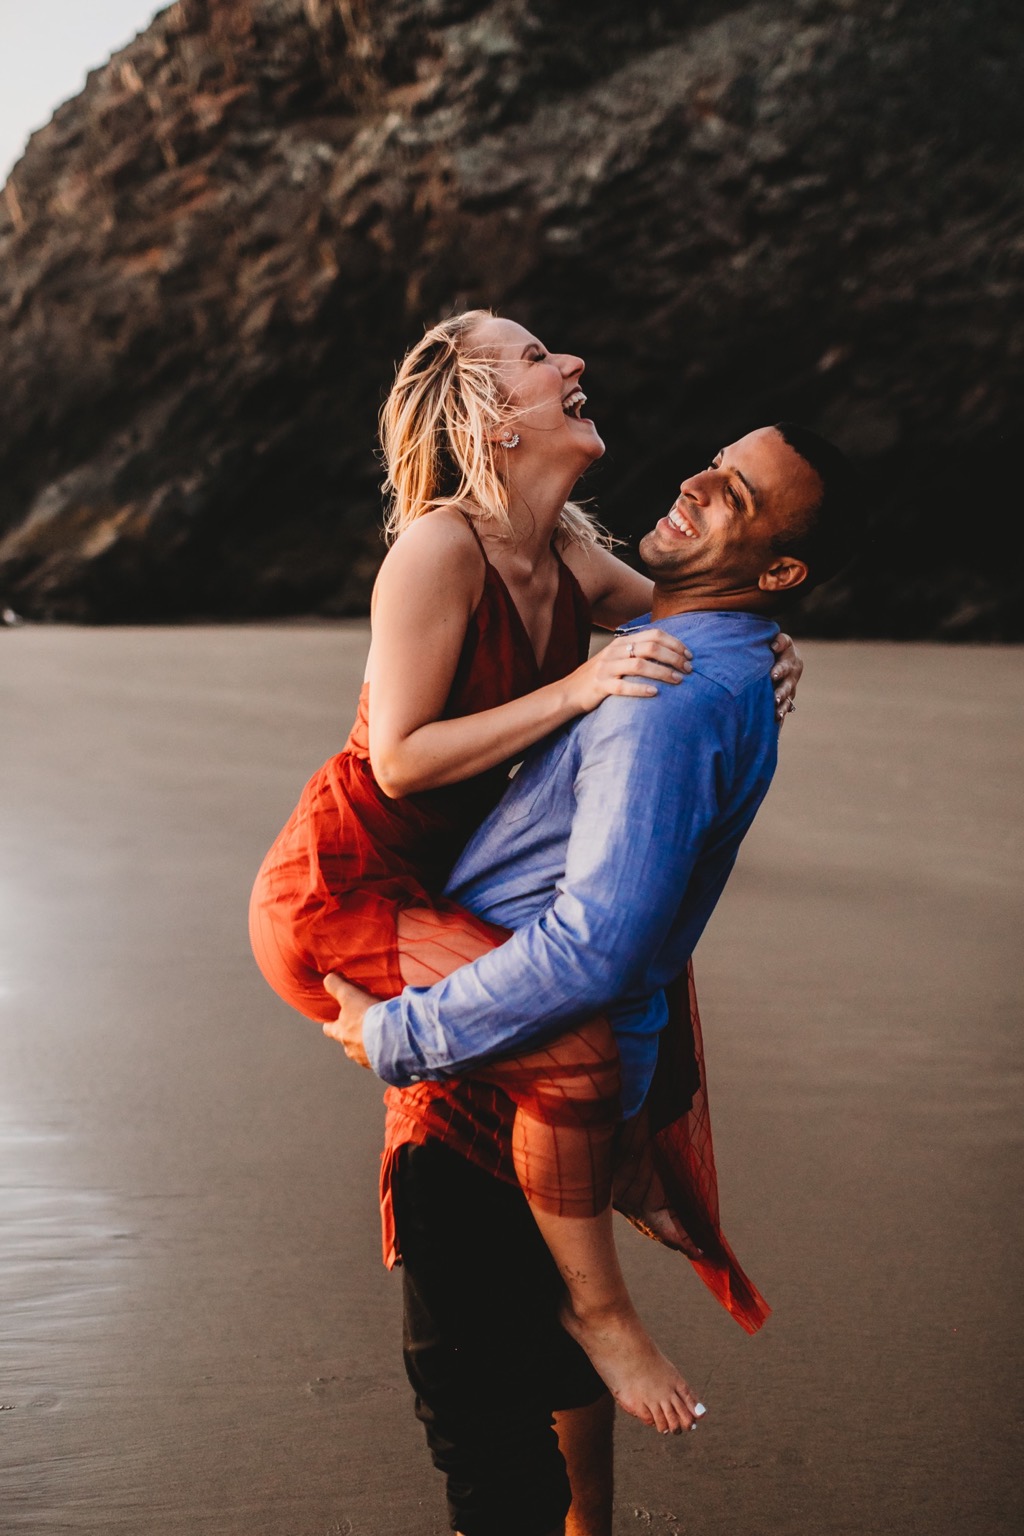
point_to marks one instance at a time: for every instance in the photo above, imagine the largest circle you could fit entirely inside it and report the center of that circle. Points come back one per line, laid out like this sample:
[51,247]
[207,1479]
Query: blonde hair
[436,433]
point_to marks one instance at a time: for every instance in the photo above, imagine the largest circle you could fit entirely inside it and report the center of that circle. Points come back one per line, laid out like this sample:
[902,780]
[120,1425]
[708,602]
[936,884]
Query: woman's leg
[566,1097]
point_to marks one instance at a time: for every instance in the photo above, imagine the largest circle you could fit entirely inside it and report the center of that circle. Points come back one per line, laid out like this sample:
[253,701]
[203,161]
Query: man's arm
[646,795]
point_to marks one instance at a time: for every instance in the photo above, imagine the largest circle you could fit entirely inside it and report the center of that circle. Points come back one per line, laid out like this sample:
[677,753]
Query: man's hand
[347,1028]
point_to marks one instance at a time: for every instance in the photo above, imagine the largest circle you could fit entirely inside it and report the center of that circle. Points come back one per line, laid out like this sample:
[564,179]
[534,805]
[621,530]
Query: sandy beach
[198,1335]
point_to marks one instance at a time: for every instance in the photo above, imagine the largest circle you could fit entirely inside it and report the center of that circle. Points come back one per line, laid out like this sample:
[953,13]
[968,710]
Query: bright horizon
[46,50]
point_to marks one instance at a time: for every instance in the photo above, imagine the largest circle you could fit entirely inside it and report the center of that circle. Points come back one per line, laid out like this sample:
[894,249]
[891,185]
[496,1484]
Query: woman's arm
[427,589]
[785,675]
[616,593]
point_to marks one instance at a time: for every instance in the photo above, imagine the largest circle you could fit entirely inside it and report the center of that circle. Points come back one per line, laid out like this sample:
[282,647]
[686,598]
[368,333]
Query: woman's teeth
[680,523]
[574,403]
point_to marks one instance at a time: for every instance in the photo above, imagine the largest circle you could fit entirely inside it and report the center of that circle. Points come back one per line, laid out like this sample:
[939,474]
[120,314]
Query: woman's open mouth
[573,404]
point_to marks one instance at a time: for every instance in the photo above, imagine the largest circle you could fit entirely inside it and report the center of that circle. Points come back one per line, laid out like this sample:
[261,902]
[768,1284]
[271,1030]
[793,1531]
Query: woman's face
[543,390]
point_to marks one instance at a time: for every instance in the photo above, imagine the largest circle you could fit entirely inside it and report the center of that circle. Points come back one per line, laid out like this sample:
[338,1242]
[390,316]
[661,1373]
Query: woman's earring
[510,442]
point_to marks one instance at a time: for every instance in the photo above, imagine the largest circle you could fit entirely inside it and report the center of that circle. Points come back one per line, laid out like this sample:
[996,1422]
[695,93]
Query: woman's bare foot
[637,1374]
[661,1222]
[640,1195]
[639,1192]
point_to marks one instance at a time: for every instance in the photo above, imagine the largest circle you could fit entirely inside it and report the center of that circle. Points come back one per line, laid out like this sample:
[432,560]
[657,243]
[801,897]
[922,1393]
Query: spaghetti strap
[471,525]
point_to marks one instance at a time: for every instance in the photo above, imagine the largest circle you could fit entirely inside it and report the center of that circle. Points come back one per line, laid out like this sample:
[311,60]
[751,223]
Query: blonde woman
[481,618]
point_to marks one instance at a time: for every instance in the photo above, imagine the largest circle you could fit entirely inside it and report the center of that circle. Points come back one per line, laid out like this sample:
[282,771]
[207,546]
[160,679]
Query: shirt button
[414,1077]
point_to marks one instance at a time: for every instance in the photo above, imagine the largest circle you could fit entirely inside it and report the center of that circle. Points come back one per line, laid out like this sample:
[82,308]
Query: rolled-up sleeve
[647,792]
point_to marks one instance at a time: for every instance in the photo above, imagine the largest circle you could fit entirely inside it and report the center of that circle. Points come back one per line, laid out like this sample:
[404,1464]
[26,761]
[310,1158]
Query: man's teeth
[574,403]
[683,527]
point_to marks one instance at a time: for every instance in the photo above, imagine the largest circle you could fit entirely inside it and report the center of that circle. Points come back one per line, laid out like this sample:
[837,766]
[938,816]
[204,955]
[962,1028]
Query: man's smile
[681,524]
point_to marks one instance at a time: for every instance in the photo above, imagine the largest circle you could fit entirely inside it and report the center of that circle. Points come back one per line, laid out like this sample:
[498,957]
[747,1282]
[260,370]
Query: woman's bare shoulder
[614,590]
[445,529]
[438,547]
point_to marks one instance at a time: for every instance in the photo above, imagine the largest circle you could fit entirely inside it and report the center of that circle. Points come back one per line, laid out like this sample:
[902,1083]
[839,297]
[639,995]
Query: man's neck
[667,602]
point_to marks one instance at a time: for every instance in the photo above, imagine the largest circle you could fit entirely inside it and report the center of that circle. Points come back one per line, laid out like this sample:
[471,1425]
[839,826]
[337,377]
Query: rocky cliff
[211,259]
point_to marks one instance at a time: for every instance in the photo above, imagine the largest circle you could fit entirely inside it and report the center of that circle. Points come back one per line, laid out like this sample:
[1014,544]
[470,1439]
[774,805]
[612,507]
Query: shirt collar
[695,615]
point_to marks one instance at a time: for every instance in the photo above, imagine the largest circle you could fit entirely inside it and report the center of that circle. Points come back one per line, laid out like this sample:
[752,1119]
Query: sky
[46,49]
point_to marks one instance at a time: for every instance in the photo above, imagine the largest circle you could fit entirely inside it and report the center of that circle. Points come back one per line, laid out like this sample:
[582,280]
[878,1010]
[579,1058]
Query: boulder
[212,258]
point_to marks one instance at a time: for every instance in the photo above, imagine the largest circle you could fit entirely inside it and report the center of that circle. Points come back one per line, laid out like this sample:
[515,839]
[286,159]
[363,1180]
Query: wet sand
[197,1332]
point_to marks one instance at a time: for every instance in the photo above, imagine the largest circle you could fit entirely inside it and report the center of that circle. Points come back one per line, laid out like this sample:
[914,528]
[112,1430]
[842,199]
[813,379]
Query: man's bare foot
[639,1377]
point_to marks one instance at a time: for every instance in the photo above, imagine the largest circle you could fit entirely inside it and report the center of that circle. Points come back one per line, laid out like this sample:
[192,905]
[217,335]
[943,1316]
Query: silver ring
[632,651]
[790,708]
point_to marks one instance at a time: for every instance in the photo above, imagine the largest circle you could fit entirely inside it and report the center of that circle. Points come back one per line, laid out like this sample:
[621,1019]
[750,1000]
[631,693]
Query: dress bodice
[497,663]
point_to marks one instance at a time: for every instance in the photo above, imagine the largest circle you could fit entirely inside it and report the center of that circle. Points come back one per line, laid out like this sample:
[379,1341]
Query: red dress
[349,859]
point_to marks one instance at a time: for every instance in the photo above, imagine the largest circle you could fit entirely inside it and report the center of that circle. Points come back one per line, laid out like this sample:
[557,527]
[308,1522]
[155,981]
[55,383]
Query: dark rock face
[211,260]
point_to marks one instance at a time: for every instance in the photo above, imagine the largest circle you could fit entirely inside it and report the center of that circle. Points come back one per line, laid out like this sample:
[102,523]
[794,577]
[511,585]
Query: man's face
[717,538]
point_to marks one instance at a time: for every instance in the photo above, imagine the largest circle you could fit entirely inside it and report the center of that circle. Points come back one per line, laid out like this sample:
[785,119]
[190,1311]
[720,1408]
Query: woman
[481,616]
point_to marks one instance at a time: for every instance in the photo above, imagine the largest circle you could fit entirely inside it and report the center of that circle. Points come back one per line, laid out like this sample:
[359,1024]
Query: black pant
[484,1350]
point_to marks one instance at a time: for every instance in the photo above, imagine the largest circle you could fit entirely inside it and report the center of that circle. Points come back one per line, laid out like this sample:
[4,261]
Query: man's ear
[782,575]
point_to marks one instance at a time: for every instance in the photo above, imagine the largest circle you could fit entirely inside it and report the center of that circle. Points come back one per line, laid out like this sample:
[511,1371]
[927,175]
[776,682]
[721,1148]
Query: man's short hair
[824,537]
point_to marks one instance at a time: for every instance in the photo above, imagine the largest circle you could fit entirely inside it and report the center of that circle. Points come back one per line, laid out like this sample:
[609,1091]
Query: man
[606,856]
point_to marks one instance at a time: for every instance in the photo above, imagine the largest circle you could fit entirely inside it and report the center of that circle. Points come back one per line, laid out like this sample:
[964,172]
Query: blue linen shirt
[606,854]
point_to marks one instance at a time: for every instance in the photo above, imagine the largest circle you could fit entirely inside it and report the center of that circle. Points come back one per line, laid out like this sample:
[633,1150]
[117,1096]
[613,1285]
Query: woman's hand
[785,675]
[347,1028]
[629,664]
